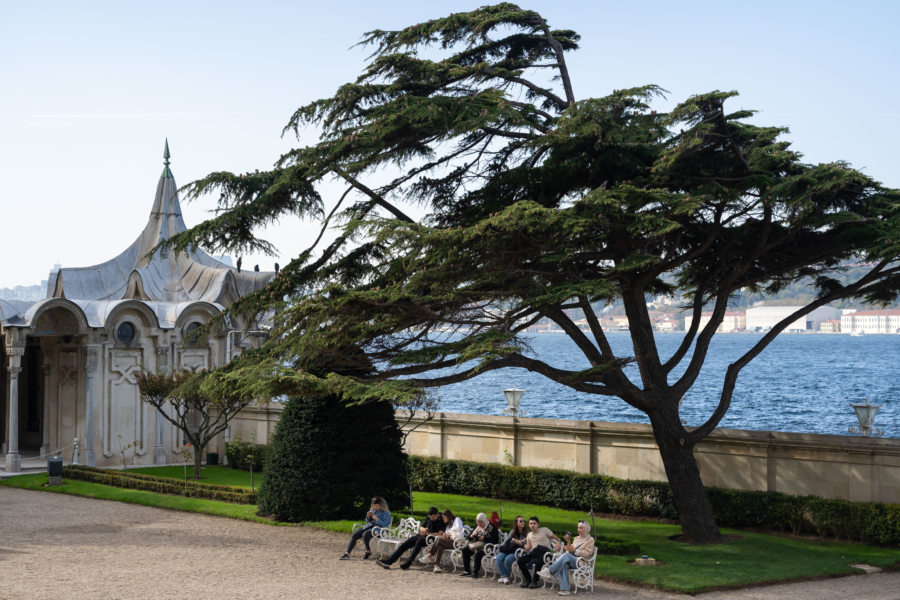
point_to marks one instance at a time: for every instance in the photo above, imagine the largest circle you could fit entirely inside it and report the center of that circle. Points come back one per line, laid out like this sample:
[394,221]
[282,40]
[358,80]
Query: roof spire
[166,155]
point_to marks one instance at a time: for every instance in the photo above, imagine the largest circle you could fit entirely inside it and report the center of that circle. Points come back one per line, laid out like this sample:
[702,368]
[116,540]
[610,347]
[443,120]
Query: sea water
[800,383]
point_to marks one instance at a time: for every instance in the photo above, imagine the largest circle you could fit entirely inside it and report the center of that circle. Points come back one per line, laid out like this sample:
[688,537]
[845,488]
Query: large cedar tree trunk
[683,472]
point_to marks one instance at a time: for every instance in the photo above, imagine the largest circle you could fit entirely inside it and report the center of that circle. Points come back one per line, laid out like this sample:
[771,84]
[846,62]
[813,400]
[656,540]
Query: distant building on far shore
[763,318]
[830,326]
[732,321]
[871,321]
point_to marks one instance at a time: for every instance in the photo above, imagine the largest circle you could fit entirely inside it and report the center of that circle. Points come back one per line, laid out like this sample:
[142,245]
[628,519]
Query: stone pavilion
[70,360]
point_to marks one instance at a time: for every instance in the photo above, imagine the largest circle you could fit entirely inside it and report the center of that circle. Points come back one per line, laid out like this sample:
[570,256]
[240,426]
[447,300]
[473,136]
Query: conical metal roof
[163,276]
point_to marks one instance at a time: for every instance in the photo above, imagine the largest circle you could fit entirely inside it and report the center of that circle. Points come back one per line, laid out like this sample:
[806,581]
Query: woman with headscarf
[484,533]
[581,547]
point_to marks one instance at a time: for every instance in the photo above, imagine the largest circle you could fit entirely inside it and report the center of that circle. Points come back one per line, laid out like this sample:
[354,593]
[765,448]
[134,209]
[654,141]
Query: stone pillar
[162,365]
[13,459]
[45,427]
[91,358]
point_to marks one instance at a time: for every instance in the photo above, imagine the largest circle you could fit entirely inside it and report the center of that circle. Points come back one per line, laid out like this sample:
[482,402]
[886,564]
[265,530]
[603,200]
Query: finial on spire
[166,153]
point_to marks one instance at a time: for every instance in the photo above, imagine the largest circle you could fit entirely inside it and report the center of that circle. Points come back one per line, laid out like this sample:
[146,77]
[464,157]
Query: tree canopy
[537,204]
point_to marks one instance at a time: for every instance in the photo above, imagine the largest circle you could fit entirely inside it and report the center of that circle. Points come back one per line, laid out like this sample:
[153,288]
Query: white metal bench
[451,557]
[489,562]
[385,540]
[580,577]
[516,574]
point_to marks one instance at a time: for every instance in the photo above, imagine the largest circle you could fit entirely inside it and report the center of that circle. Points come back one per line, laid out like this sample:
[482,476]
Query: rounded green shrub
[328,459]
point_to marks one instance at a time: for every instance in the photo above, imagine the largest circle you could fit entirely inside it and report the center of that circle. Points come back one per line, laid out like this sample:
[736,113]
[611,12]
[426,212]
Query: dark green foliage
[162,485]
[869,522]
[537,205]
[562,489]
[617,546]
[242,454]
[328,459]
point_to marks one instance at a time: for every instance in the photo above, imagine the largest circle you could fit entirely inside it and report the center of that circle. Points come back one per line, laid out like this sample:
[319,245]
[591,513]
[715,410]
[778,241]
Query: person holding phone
[378,516]
[581,547]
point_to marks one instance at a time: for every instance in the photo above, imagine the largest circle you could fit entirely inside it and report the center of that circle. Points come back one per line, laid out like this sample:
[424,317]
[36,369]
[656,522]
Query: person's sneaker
[465,574]
[404,566]
[437,569]
[503,580]
[545,573]
[367,555]
[383,564]
[533,585]
[563,593]
[345,556]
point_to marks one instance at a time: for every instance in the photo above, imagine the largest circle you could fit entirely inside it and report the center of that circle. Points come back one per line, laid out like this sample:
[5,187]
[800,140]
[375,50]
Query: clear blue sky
[90,90]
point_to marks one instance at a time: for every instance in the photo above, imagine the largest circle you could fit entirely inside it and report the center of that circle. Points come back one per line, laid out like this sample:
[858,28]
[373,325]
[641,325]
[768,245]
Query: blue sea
[800,383]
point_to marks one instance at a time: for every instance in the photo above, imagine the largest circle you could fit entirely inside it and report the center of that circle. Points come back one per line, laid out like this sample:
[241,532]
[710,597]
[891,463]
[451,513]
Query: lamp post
[513,397]
[865,413]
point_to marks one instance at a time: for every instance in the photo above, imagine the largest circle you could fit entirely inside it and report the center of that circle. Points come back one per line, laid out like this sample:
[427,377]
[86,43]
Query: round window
[125,333]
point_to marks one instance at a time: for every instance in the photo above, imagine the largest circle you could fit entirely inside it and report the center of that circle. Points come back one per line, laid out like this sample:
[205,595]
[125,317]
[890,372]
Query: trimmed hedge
[240,454]
[328,459]
[870,522]
[162,485]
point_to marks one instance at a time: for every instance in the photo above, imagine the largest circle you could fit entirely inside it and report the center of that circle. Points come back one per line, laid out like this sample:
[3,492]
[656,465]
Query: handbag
[475,546]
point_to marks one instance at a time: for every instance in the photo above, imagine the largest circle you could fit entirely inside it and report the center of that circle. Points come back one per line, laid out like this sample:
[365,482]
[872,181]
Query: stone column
[162,365]
[91,358]
[13,459]
[45,427]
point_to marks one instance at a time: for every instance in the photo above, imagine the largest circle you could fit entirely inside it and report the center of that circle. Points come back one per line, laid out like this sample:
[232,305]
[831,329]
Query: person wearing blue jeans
[506,554]
[378,516]
[581,547]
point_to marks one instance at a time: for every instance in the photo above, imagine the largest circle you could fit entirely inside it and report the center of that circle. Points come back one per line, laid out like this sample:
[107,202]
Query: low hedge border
[869,522]
[163,485]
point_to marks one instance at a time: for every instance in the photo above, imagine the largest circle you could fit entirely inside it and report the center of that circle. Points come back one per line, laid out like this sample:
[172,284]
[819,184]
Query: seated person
[377,517]
[506,553]
[539,542]
[484,533]
[433,526]
[581,547]
[454,530]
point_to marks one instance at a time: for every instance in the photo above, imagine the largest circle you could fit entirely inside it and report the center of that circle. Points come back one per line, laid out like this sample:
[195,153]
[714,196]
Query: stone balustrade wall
[831,466]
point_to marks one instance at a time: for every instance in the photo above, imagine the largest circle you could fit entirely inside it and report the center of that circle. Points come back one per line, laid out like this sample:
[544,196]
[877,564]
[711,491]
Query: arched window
[194,336]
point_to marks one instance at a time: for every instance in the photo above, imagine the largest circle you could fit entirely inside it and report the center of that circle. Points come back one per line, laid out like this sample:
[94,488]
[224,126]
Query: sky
[90,91]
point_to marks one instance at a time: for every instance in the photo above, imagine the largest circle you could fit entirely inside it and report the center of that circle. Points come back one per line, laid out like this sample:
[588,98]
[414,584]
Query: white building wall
[766,317]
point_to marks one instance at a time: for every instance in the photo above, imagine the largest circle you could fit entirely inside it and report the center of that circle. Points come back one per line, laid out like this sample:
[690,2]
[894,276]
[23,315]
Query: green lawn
[752,559]
[218,475]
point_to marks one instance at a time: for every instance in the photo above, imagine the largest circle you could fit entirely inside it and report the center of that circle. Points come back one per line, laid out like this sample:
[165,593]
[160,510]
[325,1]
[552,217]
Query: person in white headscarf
[581,547]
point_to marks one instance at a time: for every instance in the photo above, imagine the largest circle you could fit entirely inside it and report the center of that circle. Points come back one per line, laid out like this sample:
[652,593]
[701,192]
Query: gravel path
[55,546]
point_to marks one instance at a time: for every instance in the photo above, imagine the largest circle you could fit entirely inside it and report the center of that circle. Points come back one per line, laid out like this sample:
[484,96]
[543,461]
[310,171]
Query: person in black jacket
[484,533]
[433,524]
[506,553]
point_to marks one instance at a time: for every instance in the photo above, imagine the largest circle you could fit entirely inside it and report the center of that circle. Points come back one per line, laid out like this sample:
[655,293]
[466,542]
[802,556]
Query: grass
[38,481]
[217,475]
[752,558]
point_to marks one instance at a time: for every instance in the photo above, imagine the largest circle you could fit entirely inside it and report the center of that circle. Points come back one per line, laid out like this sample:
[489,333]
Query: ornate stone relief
[123,411]
[195,360]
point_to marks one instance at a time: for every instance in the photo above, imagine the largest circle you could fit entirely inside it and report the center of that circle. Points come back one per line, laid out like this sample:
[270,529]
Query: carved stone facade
[70,361]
